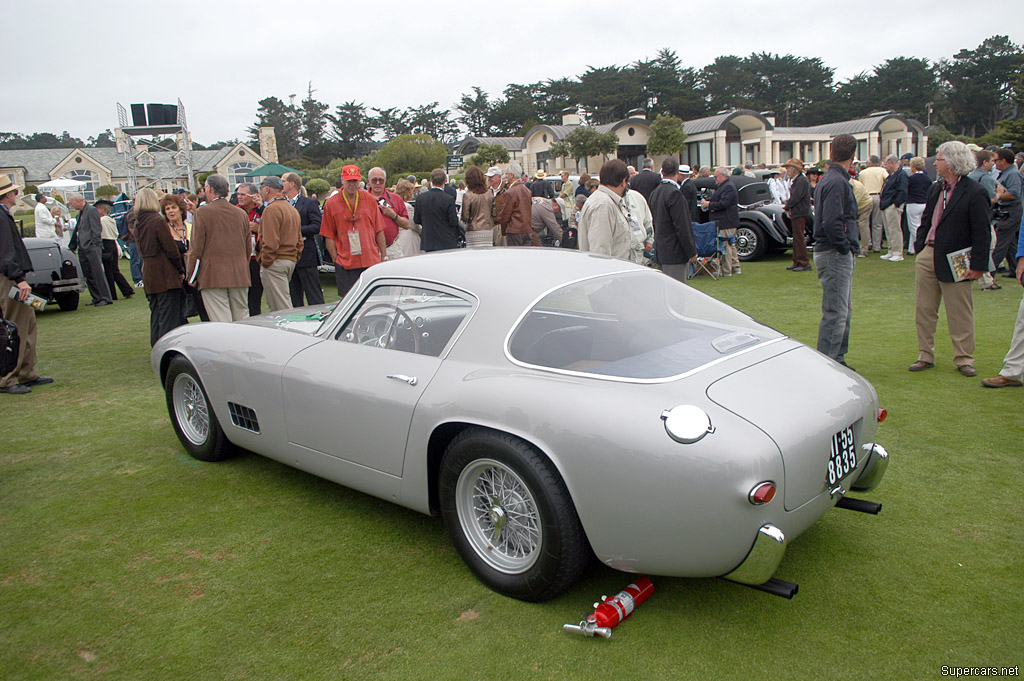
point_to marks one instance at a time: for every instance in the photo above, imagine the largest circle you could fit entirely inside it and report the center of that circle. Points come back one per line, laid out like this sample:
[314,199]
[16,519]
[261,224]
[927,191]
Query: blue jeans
[835,272]
[134,262]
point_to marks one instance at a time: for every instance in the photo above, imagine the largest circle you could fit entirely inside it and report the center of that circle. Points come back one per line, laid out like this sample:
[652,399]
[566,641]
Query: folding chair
[710,248]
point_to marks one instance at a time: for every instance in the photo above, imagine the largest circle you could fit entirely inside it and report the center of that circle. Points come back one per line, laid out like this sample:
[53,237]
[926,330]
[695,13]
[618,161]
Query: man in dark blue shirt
[835,248]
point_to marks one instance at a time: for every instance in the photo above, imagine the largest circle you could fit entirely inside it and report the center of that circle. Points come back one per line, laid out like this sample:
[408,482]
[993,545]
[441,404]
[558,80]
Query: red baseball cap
[351,172]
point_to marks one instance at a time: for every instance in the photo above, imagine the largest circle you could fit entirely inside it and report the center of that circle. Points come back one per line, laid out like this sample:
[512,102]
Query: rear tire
[510,516]
[194,421]
[68,301]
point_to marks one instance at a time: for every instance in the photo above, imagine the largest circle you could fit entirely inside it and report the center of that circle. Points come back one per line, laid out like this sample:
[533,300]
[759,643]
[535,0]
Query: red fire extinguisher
[611,612]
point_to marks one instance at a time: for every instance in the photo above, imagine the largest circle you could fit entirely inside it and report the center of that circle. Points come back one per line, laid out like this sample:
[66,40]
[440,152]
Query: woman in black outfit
[162,266]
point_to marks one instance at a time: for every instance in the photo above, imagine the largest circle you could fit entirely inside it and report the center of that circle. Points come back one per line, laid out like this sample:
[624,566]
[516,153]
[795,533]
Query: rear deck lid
[802,400]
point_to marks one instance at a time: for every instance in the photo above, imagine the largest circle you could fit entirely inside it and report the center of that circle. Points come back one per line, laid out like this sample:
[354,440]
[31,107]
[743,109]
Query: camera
[381,202]
[999,212]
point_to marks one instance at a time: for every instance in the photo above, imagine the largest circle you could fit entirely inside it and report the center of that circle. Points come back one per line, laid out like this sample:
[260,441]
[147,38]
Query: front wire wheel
[194,420]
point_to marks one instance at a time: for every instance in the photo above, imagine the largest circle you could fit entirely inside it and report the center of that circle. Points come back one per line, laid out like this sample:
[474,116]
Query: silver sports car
[550,405]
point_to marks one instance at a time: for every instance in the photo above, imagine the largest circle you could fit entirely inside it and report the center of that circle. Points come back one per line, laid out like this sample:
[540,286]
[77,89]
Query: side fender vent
[243,417]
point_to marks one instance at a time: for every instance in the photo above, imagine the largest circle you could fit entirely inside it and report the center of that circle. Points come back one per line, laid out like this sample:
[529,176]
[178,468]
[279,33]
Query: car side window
[407,319]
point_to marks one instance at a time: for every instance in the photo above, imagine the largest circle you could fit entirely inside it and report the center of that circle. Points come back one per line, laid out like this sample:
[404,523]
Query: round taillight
[882,413]
[762,493]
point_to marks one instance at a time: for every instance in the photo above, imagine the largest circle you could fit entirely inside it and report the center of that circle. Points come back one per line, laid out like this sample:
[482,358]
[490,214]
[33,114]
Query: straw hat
[7,184]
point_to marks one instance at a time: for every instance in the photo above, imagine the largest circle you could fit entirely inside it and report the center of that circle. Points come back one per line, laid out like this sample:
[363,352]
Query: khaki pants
[864,228]
[226,304]
[732,261]
[986,280]
[893,229]
[1013,363]
[25,317]
[876,223]
[275,284]
[959,311]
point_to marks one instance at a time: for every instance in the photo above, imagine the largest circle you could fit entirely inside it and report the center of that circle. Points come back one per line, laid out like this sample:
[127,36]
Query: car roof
[516,276]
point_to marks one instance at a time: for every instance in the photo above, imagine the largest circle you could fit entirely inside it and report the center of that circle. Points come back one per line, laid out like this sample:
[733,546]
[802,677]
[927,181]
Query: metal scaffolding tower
[126,135]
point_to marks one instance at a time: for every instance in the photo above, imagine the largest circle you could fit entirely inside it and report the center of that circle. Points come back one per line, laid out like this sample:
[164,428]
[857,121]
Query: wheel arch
[442,436]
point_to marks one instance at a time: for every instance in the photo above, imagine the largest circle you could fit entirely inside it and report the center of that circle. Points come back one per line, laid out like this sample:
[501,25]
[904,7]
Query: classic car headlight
[687,423]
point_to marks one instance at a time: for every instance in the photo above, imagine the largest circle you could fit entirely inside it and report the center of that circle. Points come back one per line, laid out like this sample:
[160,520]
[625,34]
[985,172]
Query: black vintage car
[764,225]
[56,274]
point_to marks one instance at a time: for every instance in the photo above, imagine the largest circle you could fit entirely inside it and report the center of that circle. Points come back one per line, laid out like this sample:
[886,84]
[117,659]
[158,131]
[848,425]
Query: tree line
[977,94]
[974,93]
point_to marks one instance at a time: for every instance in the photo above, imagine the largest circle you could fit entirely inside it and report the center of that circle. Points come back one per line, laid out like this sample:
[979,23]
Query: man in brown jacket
[516,216]
[280,244]
[219,250]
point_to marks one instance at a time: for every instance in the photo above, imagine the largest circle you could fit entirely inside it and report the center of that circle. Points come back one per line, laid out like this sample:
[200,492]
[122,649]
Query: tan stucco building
[729,138]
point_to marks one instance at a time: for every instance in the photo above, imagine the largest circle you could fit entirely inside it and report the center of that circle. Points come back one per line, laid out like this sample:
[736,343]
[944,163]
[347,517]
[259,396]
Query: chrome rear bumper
[874,469]
[763,559]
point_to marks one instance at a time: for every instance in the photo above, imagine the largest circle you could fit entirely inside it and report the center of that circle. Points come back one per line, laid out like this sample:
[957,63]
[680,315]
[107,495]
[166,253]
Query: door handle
[411,380]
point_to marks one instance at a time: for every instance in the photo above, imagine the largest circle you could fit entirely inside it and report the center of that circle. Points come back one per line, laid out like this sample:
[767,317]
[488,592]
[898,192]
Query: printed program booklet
[960,263]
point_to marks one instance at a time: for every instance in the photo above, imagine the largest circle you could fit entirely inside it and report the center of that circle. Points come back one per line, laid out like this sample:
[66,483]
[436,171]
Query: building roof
[39,162]
[510,143]
[718,121]
[852,127]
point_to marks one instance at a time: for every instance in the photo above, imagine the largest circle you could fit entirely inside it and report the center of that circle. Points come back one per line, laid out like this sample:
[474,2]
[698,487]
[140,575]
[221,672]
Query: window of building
[237,170]
[146,160]
[90,179]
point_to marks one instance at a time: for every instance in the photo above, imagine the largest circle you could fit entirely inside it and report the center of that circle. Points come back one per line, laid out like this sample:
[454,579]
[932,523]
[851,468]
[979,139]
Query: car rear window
[636,325]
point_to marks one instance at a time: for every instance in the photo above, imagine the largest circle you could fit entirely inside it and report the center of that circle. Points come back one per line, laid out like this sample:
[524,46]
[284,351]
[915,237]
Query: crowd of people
[218,255]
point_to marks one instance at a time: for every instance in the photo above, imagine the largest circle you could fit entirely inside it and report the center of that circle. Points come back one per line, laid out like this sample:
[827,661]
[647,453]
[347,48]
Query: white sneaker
[895,258]
[887,256]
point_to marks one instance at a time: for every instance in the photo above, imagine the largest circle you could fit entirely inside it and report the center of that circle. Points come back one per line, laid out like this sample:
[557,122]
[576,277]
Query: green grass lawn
[122,558]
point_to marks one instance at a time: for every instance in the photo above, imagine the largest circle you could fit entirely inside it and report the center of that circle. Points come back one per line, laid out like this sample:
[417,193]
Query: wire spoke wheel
[191,410]
[499,515]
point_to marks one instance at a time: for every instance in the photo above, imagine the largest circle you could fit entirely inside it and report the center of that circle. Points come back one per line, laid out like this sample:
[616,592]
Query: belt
[874,193]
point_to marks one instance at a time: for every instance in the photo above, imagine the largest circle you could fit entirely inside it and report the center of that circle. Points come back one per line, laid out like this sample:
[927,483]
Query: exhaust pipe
[872,507]
[776,587]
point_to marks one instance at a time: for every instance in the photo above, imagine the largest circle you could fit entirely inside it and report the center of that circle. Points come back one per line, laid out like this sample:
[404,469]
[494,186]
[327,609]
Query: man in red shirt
[353,230]
[392,208]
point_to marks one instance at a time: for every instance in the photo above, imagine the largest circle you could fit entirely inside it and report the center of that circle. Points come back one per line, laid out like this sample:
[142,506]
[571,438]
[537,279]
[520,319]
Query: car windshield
[636,325]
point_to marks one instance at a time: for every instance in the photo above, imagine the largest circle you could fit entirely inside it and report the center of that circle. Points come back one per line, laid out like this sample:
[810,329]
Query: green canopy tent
[271,169]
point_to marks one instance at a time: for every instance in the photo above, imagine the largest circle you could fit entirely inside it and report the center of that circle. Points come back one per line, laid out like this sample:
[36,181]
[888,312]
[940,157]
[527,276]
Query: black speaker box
[156,114]
[138,115]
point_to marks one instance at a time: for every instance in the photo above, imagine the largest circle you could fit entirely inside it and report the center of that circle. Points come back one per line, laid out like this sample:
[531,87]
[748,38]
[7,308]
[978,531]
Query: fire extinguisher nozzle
[588,629]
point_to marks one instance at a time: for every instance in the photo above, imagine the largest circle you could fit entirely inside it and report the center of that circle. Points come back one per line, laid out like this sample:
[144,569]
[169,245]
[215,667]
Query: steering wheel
[389,334]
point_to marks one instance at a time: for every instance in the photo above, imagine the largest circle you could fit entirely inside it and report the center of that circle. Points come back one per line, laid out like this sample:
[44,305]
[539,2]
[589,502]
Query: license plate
[843,457]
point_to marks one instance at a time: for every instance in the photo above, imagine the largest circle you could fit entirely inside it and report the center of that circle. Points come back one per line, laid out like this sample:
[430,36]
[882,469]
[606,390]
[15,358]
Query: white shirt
[779,189]
[46,224]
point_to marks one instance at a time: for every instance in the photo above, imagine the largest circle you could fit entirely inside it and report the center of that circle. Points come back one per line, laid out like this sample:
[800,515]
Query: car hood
[806,383]
[304,320]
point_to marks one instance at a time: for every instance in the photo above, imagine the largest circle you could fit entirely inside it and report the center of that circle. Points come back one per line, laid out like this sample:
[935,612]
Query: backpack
[570,238]
[10,345]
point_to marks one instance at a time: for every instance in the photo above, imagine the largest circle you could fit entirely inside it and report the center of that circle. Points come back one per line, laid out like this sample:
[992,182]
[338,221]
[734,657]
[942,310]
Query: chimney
[770,115]
[637,113]
[570,116]
[268,144]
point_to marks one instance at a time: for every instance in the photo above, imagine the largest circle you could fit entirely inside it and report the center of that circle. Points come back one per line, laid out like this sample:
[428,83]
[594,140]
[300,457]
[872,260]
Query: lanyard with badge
[355,246]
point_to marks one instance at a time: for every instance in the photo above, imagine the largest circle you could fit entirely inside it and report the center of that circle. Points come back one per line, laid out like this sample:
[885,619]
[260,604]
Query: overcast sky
[220,57]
